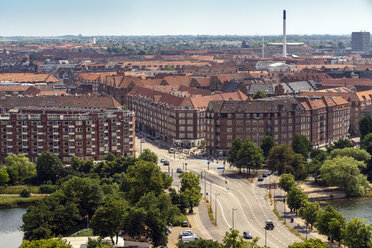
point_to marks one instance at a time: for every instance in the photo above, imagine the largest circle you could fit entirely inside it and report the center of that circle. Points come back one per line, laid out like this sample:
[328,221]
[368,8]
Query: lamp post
[233,224]
[284,207]
[265,236]
[215,204]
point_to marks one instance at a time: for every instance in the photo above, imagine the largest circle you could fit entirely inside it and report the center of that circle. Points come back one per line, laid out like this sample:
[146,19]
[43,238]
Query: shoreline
[19,202]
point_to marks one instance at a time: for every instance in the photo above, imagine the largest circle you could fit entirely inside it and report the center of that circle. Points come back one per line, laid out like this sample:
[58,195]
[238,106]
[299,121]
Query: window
[229,122]
[229,130]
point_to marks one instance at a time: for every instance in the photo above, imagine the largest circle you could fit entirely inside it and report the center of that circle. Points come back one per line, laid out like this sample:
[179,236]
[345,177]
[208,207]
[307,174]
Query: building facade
[86,127]
[361,41]
[321,120]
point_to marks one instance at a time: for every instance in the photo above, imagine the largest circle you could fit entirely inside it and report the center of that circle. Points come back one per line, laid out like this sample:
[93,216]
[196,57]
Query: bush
[47,189]
[178,219]
[25,193]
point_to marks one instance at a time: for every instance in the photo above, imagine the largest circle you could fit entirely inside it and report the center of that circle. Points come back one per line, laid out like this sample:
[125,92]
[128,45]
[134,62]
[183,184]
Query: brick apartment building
[173,118]
[322,120]
[82,126]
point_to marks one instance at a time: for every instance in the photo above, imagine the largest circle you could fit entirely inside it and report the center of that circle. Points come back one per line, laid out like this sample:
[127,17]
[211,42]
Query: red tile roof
[28,77]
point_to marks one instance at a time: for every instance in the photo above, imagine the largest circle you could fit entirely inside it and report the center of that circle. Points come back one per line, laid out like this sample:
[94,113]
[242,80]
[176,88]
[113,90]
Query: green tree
[249,156]
[19,168]
[344,172]
[311,243]
[144,177]
[284,160]
[365,125]
[190,188]
[367,143]
[48,167]
[97,243]
[326,221]
[340,144]
[232,239]
[201,243]
[86,193]
[358,234]
[148,155]
[267,144]
[110,157]
[232,156]
[108,219]
[4,177]
[301,145]
[357,154]
[295,197]
[45,243]
[286,182]
[309,212]
[259,94]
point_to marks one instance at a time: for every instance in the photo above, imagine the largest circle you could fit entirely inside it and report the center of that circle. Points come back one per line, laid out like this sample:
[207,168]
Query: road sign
[220,168]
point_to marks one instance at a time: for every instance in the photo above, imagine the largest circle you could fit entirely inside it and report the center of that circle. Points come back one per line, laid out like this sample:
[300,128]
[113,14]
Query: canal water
[355,207]
[10,221]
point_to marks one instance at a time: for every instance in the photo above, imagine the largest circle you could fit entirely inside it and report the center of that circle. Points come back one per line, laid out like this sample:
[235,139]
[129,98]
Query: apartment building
[175,119]
[321,120]
[82,126]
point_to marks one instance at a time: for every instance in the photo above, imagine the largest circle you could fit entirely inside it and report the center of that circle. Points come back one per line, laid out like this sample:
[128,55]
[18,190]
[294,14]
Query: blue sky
[163,17]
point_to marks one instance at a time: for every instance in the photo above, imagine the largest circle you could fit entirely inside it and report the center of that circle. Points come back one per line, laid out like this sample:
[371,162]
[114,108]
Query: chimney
[284,34]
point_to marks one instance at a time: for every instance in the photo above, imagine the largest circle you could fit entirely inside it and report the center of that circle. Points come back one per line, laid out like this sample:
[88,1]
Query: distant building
[82,126]
[361,41]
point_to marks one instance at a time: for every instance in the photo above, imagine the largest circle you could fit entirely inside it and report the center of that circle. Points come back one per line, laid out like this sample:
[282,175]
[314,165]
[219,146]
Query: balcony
[9,133]
[55,126]
[39,126]
[9,126]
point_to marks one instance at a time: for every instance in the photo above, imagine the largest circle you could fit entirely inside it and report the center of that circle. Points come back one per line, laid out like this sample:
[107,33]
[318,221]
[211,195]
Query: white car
[190,238]
[186,233]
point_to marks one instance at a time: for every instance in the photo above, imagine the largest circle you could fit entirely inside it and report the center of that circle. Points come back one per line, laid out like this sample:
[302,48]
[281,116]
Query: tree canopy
[295,197]
[19,168]
[48,167]
[232,156]
[267,144]
[190,188]
[358,234]
[286,182]
[45,243]
[301,145]
[309,212]
[340,144]
[259,94]
[311,243]
[148,155]
[4,177]
[344,172]
[365,125]
[330,222]
[249,156]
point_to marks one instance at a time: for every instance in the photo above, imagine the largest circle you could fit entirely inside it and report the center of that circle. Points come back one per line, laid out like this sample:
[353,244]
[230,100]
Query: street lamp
[233,224]
[215,204]
[265,235]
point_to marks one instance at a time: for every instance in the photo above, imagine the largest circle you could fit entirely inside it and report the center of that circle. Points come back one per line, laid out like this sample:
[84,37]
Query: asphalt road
[249,200]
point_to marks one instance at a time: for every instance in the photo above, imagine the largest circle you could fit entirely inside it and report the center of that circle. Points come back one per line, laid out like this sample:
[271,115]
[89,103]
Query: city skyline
[144,17]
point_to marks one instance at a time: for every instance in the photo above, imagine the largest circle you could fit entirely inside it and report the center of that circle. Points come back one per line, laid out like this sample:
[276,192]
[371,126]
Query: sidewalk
[200,221]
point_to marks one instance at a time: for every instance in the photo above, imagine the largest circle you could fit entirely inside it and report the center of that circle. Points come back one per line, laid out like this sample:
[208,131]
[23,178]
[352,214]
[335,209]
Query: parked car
[185,233]
[143,140]
[179,170]
[169,229]
[171,150]
[185,223]
[190,238]
[269,225]
[247,235]
[260,179]
[162,160]
[264,175]
[166,162]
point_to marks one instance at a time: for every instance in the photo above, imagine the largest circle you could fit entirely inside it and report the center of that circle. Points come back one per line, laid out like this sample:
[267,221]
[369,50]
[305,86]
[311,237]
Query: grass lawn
[9,201]
[85,233]
[18,188]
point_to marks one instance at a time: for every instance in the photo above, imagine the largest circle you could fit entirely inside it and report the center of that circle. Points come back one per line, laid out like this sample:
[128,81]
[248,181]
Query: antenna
[284,34]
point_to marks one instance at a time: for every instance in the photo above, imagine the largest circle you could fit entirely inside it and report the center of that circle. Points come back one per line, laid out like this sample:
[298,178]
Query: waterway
[10,221]
[355,207]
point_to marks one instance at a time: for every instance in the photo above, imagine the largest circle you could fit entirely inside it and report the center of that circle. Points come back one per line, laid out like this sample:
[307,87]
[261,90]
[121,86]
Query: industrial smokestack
[284,34]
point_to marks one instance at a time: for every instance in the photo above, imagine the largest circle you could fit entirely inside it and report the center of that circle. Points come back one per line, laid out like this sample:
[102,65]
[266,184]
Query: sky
[182,17]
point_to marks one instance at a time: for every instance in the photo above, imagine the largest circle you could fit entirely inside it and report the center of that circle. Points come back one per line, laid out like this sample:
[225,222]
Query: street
[240,203]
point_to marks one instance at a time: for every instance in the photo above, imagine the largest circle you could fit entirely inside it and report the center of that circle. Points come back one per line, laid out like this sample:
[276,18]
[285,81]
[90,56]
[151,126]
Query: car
[185,223]
[269,172]
[185,233]
[260,179]
[264,175]
[162,160]
[169,229]
[190,238]
[276,173]
[143,140]
[166,162]
[247,235]
[179,170]
[171,150]
[269,225]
